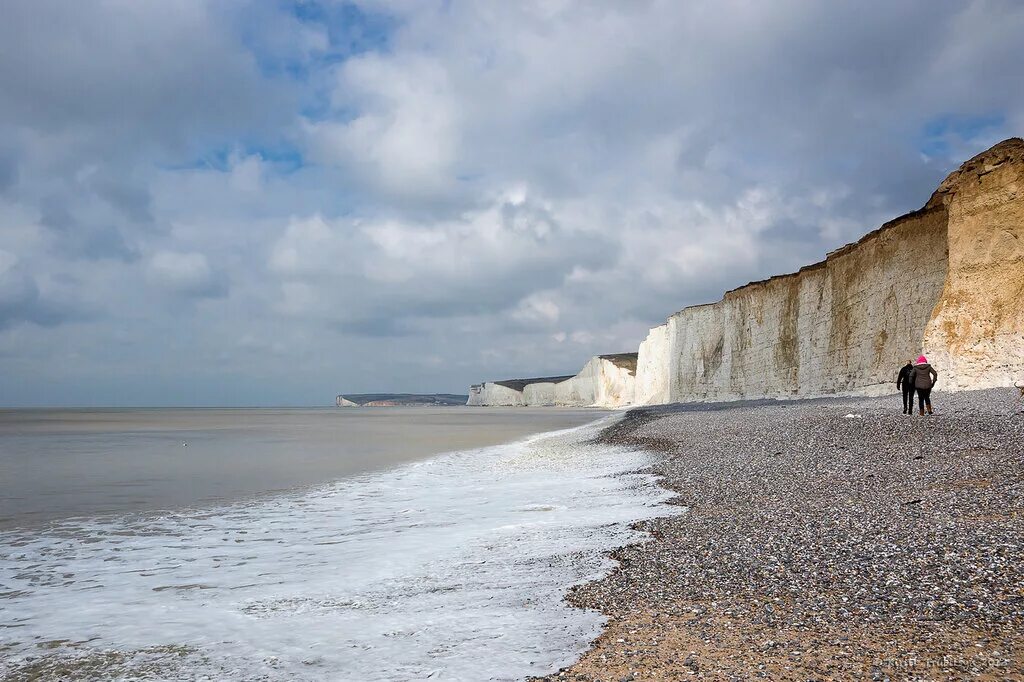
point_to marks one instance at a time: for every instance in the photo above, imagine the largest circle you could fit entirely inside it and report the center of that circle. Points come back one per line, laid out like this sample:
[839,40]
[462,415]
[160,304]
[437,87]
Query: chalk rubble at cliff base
[819,547]
[843,325]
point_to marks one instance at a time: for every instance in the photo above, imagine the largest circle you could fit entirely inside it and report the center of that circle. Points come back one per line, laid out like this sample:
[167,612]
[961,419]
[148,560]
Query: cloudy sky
[274,202]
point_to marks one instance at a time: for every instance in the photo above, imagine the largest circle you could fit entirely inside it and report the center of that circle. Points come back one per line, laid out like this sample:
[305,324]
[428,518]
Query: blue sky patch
[943,135]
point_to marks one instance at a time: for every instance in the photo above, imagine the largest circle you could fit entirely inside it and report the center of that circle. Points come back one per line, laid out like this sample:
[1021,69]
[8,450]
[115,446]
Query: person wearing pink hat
[923,378]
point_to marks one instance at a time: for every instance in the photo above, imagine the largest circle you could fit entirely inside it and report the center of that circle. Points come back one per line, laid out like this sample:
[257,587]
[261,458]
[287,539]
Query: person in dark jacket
[923,377]
[903,382]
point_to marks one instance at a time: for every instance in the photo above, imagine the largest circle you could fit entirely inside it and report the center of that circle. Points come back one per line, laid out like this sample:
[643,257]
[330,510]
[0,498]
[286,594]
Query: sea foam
[451,568]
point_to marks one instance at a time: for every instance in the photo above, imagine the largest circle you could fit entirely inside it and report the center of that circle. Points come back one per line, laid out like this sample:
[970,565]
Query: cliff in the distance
[604,380]
[946,280]
[400,400]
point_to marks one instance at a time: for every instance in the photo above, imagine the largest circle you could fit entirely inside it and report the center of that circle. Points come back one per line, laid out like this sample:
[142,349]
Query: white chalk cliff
[946,280]
[606,380]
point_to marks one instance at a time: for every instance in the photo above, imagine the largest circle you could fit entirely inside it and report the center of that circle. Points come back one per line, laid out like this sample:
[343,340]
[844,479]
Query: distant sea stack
[845,324]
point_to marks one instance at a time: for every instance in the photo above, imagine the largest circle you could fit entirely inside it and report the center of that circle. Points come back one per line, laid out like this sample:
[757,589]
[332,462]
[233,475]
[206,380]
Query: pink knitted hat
[921,360]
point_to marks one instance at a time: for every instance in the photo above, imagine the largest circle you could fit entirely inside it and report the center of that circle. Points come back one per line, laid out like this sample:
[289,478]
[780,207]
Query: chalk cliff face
[946,280]
[977,329]
[497,394]
[538,392]
[400,400]
[605,381]
[655,356]
[541,394]
[841,325]
[942,280]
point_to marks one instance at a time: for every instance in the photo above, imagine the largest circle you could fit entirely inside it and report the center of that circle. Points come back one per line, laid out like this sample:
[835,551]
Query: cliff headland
[840,326]
[400,400]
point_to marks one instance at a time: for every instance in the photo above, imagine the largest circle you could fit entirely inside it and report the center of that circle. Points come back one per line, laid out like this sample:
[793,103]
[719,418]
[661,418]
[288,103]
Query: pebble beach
[822,539]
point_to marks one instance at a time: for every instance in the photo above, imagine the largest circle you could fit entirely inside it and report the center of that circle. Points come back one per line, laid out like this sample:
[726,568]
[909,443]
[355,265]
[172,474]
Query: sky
[273,202]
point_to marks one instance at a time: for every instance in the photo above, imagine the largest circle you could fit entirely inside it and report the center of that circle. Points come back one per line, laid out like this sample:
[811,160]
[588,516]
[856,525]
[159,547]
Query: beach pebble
[822,534]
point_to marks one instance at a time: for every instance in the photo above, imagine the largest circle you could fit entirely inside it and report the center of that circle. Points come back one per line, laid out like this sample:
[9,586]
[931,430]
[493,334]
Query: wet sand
[817,546]
[56,464]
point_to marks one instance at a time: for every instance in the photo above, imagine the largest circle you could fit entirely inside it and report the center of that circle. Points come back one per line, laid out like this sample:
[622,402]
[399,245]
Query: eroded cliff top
[622,360]
[1010,150]
[520,384]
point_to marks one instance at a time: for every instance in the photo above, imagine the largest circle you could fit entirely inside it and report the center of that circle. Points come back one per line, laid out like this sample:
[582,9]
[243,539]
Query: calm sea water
[394,566]
[60,463]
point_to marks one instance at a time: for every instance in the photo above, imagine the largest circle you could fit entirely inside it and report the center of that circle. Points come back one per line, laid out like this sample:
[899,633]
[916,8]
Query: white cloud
[308,246]
[537,308]
[404,137]
[506,187]
[188,274]
[486,261]
[247,172]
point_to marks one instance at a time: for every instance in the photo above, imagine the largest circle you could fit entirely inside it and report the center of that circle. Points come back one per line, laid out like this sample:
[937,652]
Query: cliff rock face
[400,400]
[539,391]
[497,394]
[840,325]
[651,384]
[605,381]
[946,280]
[976,333]
[540,394]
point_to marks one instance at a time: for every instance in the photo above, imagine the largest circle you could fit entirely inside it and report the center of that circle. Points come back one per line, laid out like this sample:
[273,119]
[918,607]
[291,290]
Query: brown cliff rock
[976,332]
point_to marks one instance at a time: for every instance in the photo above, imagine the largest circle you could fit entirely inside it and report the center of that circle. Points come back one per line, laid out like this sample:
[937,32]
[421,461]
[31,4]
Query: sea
[324,544]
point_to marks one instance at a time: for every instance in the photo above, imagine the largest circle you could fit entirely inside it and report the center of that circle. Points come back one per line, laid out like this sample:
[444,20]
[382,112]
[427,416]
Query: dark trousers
[924,397]
[908,399]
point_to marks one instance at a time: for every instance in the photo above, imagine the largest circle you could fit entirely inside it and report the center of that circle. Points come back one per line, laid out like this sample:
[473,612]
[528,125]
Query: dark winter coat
[924,376]
[903,379]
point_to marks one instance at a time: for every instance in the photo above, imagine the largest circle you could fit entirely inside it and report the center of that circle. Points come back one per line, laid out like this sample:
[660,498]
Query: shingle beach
[822,539]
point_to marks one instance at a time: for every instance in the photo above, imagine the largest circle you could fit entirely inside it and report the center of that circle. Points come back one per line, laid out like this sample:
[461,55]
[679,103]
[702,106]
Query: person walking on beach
[904,382]
[923,377]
